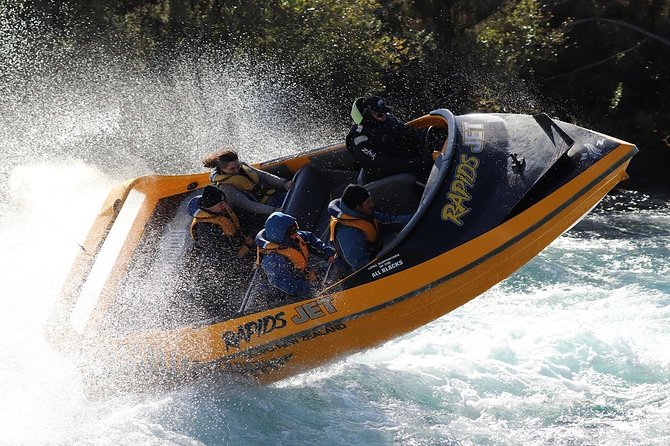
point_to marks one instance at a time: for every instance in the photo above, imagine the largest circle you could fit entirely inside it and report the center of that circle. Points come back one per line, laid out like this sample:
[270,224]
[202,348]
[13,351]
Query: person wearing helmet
[381,143]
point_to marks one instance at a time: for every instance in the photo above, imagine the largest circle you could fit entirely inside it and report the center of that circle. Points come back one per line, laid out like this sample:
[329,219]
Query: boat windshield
[435,179]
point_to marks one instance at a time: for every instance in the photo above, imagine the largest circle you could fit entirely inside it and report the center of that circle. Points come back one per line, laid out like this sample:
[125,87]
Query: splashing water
[570,350]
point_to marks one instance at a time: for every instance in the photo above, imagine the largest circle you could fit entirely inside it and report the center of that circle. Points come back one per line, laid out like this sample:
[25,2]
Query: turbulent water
[570,350]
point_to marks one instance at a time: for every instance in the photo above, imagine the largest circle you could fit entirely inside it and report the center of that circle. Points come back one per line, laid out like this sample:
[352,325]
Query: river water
[570,350]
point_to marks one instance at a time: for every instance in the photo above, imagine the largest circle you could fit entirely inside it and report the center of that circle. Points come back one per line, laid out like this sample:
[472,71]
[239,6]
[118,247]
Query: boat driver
[283,251]
[246,188]
[215,226]
[355,226]
[384,145]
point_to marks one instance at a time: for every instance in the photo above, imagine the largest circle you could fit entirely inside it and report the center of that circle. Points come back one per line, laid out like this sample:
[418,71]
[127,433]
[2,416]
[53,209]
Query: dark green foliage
[601,64]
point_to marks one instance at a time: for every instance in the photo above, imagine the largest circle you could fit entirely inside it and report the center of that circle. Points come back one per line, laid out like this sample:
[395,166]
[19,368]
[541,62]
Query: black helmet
[375,104]
[365,106]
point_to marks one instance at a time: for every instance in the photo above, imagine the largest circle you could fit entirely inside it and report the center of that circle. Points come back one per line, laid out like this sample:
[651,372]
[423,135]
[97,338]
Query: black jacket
[386,148]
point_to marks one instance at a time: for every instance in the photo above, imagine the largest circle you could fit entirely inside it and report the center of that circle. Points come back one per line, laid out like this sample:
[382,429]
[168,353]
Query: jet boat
[141,306]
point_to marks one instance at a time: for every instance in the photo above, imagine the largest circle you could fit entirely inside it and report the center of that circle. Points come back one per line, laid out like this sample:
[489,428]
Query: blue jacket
[352,244]
[280,271]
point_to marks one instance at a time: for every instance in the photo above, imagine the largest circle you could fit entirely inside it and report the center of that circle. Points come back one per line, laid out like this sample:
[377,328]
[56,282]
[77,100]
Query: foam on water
[565,363]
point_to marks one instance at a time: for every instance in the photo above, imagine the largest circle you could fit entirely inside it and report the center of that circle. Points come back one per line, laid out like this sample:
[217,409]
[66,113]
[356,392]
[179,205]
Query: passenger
[283,251]
[215,225]
[355,226]
[246,188]
[384,145]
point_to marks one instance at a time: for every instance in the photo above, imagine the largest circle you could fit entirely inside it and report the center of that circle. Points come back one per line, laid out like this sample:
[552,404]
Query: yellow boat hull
[284,340]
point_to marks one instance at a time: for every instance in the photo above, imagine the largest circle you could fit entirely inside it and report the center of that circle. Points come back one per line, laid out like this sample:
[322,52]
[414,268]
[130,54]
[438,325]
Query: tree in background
[615,73]
[604,65]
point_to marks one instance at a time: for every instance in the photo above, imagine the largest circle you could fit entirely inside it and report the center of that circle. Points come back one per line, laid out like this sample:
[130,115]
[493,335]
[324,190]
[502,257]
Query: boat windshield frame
[433,184]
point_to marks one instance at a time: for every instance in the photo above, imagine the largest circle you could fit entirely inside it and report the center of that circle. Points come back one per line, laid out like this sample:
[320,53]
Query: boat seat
[396,194]
[305,200]
[313,189]
[362,177]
